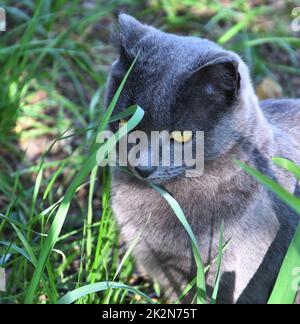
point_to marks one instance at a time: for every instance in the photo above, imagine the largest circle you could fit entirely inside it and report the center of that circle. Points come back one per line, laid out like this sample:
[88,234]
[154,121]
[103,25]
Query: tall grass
[91,249]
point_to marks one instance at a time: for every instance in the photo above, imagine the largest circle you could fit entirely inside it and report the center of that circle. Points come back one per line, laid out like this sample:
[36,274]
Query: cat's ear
[131,30]
[130,33]
[221,74]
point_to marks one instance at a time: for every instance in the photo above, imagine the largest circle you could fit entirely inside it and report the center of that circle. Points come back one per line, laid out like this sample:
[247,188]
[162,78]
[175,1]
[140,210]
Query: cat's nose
[145,171]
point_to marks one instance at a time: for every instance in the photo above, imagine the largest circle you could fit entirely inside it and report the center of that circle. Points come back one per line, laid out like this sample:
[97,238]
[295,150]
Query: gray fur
[258,226]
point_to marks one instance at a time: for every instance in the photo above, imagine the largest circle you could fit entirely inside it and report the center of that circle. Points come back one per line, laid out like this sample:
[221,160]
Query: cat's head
[183,84]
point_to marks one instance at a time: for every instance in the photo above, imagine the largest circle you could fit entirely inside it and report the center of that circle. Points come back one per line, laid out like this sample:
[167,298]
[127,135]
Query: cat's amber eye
[182,137]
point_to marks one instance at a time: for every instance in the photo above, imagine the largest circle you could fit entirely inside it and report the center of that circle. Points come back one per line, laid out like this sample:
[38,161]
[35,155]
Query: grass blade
[288,165]
[76,294]
[283,292]
[286,196]
[201,285]
[219,262]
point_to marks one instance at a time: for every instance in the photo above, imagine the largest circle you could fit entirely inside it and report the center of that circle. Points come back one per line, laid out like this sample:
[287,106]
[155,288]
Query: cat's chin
[156,180]
[162,180]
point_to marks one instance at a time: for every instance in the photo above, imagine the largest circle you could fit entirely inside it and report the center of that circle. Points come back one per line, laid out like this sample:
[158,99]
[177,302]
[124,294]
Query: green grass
[283,292]
[59,242]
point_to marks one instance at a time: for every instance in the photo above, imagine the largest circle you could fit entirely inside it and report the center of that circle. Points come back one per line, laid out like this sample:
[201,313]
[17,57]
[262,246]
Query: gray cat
[191,83]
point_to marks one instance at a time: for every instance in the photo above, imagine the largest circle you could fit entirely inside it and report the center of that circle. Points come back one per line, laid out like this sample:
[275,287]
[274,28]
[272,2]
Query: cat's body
[258,226]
